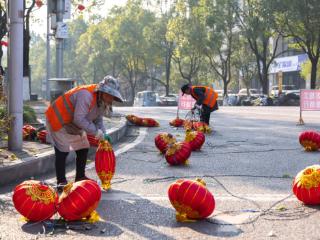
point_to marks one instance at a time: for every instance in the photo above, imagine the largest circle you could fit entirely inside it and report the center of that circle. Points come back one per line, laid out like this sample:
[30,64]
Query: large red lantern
[306,185]
[177,122]
[35,201]
[79,200]
[42,136]
[202,127]
[149,122]
[195,139]
[93,141]
[310,140]
[105,163]
[191,199]
[28,132]
[178,153]
[162,140]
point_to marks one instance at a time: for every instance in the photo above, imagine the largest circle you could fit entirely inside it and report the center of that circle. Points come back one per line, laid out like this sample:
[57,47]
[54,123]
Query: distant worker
[206,100]
[72,115]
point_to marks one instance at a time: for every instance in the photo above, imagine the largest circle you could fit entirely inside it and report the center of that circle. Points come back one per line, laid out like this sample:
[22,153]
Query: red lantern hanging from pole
[105,162]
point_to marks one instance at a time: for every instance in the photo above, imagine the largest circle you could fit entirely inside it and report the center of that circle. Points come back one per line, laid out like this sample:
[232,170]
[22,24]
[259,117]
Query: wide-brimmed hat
[111,86]
[184,88]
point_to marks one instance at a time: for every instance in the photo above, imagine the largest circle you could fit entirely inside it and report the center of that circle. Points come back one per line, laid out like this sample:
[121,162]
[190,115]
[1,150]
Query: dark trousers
[206,112]
[60,164]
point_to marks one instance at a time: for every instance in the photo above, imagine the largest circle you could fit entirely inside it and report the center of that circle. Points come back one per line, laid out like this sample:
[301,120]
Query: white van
[145,99]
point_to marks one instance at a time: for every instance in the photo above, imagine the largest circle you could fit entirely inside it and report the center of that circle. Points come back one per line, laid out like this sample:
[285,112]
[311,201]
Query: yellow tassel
[92,218]
[106,185]
[182,217]
[24,219]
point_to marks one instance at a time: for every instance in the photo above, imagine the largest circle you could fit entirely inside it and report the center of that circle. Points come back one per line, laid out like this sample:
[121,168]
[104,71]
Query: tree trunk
[168,71]
[265,80]
[313,80]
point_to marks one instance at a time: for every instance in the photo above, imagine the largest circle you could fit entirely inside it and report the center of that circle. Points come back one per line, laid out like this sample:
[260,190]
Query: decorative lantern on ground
[177,122]
[93,141]
[178,153]
[202,127]
[306,185]
[191,199]
[188,125]
[195,139]
[35,201]
[29,132]
[162,140]
[105,163]
[134,119]
[42,136]
[149,122]
[310,140]
[79,200]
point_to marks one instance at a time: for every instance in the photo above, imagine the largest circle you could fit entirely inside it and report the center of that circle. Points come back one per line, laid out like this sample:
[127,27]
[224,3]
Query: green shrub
[29,115]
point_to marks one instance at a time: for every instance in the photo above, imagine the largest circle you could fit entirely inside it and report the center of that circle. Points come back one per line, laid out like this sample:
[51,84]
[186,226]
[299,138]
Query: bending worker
[206,100]
[72,115]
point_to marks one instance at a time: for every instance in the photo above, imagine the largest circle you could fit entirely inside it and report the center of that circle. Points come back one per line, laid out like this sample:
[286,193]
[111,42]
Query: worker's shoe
[61,185]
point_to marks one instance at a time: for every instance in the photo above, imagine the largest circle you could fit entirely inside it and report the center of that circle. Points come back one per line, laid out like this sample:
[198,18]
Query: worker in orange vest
[206,100]
[74,114]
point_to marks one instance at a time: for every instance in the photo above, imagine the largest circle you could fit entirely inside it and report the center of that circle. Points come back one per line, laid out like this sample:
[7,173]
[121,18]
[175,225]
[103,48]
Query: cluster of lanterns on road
[191,199]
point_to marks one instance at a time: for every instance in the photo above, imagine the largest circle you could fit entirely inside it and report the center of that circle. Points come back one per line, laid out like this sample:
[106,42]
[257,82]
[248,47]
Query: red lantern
[149,122]
[202,127]
[177,122]
[195,139]
[79,200]
[42,136]
[306,185]
[178,153]
[191,199]
[188,125]
[93,141]
[105,163]
[310,140]
[134,119]
[28,132]
[35,201]
[162,140]
[81,7]
[39,3]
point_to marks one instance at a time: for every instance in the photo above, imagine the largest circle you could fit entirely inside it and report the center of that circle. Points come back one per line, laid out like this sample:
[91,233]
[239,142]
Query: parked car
[170,100]
[285,90]
[252,91]
[145,98]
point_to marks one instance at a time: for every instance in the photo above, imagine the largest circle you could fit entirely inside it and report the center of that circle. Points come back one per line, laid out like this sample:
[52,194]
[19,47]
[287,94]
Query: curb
[44,162]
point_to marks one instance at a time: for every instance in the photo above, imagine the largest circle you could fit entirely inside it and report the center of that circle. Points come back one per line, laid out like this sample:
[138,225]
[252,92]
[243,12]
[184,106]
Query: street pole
[47,94]
[15,75]
[59,41]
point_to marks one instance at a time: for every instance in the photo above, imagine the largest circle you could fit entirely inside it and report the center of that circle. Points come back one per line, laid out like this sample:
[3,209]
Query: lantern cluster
[29,132]
[37,201]
[310,140]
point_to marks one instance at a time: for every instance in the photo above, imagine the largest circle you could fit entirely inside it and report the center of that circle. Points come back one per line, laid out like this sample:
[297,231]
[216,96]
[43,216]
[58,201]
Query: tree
[257,23]
[220,21]
[300,20]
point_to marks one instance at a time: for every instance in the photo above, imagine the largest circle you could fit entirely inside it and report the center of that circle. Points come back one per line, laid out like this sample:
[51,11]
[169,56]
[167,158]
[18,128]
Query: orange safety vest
[210,98]
[61,111]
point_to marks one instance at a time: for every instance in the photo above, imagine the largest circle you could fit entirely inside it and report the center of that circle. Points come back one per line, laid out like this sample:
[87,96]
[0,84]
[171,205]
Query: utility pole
[15,73]
[59,41]
[47,93]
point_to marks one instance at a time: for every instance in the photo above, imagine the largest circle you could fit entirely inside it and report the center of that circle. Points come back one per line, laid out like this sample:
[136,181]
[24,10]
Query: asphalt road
[248,163]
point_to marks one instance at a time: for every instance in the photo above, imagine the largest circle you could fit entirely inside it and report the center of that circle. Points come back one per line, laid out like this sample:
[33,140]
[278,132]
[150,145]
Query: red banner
[186,102]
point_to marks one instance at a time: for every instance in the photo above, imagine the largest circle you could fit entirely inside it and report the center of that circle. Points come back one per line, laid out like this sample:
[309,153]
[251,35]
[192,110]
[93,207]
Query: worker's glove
[107,137]
[99,135]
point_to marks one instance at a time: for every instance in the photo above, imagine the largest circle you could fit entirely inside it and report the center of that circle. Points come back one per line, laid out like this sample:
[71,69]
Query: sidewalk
[37,158]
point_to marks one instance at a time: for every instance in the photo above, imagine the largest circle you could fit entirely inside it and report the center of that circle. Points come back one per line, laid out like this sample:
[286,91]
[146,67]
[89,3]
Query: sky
[40,14]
